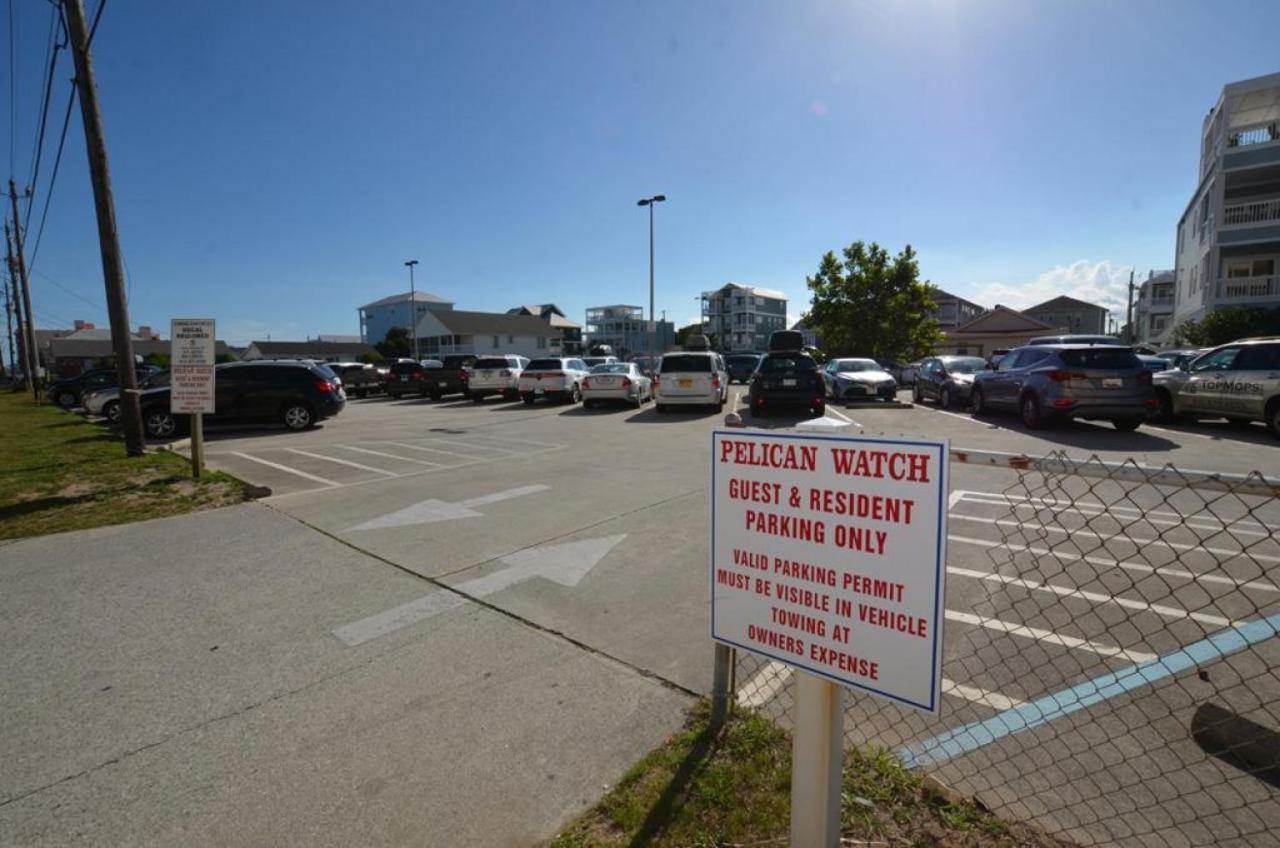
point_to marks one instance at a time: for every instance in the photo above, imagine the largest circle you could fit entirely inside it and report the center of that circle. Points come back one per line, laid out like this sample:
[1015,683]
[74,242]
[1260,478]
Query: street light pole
[413,310]
[650,202]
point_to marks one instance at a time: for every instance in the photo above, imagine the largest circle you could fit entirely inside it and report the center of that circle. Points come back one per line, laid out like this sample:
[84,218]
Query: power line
[13,95]
[54,47]
[70,291]
[57,160]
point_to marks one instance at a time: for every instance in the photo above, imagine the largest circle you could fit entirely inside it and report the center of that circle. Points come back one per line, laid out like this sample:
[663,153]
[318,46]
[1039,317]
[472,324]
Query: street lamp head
[644,202]
[658,198]
[411,262]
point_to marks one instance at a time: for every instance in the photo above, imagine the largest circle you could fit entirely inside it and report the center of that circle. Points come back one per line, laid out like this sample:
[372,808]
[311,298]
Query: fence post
[720,684]
[817,762]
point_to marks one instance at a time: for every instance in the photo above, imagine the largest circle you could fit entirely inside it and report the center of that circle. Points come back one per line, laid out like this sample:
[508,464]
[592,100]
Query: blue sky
[275,162]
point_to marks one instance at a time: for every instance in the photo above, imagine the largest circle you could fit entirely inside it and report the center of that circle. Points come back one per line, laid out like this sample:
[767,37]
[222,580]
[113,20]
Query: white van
[690,378]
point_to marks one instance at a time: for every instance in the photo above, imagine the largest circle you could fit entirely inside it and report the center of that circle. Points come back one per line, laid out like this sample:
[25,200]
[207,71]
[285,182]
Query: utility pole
[1129,313]
[108,235]
[28,338]
[413,310]
[11,307]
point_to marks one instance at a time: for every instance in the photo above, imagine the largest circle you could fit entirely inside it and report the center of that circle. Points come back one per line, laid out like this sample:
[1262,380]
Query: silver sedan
[616,381]
[106,402]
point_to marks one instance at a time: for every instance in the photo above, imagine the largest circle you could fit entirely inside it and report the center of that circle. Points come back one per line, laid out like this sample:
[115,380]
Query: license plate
[404,378]
[1112,382]
[684,384]
[788,382]
[443,383]
[537,391]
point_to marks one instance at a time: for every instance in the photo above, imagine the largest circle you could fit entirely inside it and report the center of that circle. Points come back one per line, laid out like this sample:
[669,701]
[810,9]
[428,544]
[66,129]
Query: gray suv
[1092,382]
[1238,381]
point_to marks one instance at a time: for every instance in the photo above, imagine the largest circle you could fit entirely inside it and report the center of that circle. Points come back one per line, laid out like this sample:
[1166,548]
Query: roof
[311,349]
[403,297]
[547,311]
[1002,319]
[943,293]
[463,323]
[76,346]
[756,290]
[1063,302]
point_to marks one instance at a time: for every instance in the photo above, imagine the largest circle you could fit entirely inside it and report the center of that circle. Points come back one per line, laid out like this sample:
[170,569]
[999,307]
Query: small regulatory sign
[828,553]
[191,364]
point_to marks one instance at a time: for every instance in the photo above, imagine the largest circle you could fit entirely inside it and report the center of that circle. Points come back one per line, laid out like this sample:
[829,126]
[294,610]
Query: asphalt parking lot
[590,528]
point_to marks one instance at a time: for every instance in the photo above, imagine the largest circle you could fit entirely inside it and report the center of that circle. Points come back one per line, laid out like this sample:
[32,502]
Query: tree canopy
[870,304]
[396,344]
[1228,324]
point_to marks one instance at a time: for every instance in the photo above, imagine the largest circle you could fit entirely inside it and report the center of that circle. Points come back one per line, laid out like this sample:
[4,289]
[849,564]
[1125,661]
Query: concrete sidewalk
[177,682]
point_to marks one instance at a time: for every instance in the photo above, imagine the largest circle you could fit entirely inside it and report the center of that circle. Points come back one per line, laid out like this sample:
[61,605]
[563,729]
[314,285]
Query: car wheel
[576,395]
[1128,425]
[916,396]
[1031,417]
[588,404]
[1165,412]
[435,396]
[978,401]
[660,407]
[511,395]
[112,412]
[944,399]
[528,399]
[639,400]
[477,398]
[160,423]
[68,400]
[819,410]
[1273,417]
[297,416]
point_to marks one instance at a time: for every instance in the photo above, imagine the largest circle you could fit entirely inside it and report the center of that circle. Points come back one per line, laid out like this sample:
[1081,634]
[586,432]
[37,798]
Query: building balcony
[1245,290]
[1249,136]
[1251,213]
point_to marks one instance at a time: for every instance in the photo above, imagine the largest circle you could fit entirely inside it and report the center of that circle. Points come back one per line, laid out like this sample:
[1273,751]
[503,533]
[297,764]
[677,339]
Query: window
[1218,360]
[1100,357]
[495,341]
[1027,358]
[1258,357]
[1006,362]
[542,342]
[511,339]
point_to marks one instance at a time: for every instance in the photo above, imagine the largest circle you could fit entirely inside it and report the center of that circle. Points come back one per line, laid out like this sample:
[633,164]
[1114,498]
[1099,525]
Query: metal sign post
[817,757]
[192,357]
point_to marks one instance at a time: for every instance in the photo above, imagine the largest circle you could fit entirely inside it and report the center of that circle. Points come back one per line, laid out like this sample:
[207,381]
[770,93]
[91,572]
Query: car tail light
[626,382]
[1062,375]
[655,382]
[325,386]
[505,372]
[466,375]
[1144,376]
[715,381]
[1063,403]
[1152,402]
[586,383]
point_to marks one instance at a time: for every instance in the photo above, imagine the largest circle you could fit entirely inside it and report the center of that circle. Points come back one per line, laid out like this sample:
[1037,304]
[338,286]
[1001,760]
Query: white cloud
[1095,282]
[792,318]
[818,108]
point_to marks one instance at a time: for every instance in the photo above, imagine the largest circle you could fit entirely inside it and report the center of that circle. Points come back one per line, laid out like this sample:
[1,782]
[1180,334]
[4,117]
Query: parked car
[786,340]
[616,381]
[857,379]
[406,377]
[1154,364]
[295,394]
[741,366]
[645,364]
[996,355]
[691,378]
[910,372]
[106,402]
[358,379]
[947,379]
[1239,381]
[1091,382]
[70,391]
[496,375]
[553,378]
[593,361]
[1077,339]
[452,377]
[788,379]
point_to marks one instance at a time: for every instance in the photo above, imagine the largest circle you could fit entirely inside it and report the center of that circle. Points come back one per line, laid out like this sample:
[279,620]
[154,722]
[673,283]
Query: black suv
[69,392]
[406,377]
[741,366]
[787,379]
[295,394]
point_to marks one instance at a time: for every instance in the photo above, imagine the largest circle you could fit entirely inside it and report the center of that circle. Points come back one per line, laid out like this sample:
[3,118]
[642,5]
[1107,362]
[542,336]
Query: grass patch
[701,789]
[59,472]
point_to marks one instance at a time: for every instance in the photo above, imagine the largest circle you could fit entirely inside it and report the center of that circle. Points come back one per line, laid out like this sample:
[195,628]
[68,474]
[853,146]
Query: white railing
[1248,288]
[1254,212]
[1162,300]
[1259,134]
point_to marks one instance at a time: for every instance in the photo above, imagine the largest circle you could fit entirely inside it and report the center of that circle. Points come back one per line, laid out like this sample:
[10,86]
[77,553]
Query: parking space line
[1180,432]
[774,676]
[1136,541]
[1048,636]
[1154,516]
[840,414]
[1085,595]
[513,440]
[390,455]
[346,462]
[968,418]
[280,467]
[472,445]
[437,450]
[979,696]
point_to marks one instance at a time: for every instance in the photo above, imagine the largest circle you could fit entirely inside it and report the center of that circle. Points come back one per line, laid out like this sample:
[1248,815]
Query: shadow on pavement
[1083,434]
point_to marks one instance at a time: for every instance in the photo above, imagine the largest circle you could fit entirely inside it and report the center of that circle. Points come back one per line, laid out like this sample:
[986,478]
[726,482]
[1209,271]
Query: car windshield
[156,380]
[686,363]
[790,362]
[545,365]
[491,362]
[852,365]
[968,365]
[744,361]
[1104,357]
[405,367]
[612,368]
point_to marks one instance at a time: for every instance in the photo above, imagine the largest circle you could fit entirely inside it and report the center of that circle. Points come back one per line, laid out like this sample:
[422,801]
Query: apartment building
[623,328]
[1076,316]
[741,317]
[1153,308]
[398,310]
[954,310]
[1228,238]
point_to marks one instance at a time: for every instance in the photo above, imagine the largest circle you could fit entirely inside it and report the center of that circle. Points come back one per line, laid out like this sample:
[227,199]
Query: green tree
[683,334]
[873,305]
[1227,325]
[395,345]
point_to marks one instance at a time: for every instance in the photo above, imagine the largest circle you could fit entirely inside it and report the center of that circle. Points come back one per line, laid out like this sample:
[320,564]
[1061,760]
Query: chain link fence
[1111,669]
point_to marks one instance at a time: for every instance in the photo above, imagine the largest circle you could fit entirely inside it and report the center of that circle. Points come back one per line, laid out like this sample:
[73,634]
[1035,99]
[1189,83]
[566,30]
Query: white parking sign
[828,553]
[191,363]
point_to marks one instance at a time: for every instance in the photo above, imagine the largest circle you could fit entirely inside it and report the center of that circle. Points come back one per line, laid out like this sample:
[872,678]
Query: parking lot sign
[828,553]
[191,361]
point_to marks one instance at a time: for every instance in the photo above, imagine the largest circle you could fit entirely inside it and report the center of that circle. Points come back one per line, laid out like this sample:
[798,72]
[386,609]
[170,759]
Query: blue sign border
[943,448]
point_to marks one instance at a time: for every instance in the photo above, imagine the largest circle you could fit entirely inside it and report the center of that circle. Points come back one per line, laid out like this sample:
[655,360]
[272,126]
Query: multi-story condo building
[397,311]
[741,317]
[1228,239]
[954,310]
[623,328]
[1153,308]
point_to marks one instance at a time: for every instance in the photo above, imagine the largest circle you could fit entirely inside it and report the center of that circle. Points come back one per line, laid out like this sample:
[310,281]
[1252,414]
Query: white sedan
[616,381]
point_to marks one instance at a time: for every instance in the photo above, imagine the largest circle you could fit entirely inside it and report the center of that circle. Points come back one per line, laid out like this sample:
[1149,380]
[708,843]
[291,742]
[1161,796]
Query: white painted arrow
[437,510]
[565,564]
